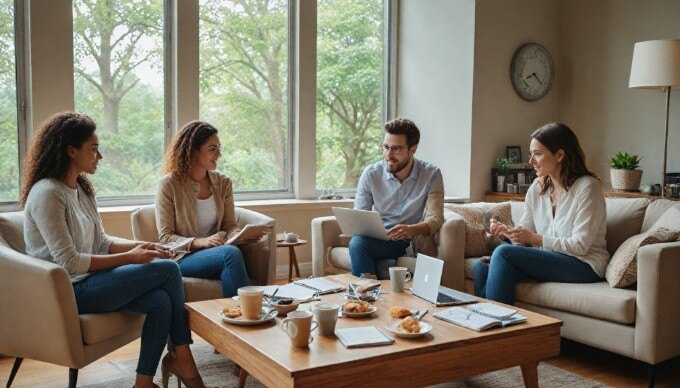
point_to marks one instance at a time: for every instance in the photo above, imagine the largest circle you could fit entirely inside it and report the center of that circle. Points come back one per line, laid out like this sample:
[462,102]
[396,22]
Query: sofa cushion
[622,269]
[475,233]
[196,289]
[655,210]
[596,300]
[624,220]
[517,211]
[12,230]
[339,258]
[99,327]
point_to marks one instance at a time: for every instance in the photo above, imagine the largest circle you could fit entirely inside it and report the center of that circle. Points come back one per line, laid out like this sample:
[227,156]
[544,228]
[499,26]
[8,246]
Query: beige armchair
[38,314]
[260,257]
[330,252]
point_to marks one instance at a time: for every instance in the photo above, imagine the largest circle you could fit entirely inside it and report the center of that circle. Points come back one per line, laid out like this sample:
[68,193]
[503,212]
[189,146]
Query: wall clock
[532,71]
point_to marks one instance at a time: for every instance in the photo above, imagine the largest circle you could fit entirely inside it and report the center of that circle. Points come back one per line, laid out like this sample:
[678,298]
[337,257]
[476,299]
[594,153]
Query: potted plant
[624,173]
[502,168]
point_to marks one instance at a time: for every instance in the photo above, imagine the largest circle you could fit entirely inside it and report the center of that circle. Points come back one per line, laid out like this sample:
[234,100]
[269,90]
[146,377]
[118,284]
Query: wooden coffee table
[448,352]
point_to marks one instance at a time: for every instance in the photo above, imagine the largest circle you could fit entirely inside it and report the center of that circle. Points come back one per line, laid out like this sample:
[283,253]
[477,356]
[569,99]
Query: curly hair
[48,153]
[185,146]
[558,136]
[401,126]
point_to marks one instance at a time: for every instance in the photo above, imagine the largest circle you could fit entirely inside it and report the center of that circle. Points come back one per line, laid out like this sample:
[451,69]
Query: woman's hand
[400,232]
[208,242]
[498,228]
[523,236]
[146,252]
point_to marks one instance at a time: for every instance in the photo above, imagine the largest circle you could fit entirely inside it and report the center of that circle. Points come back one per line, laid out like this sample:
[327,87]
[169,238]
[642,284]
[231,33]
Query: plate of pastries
[407,326]
[358,309]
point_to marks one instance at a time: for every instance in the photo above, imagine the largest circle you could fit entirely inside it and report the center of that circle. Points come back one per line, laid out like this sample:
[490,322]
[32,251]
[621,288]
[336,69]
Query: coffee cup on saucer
[250,300]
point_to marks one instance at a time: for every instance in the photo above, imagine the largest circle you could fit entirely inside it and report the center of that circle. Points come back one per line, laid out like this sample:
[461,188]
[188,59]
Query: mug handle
[407,277]
[289,327]
[315,324]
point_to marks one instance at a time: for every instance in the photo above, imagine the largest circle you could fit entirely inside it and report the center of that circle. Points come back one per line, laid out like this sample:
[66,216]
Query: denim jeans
[370,255]
[154,289]
[510,264]
[224,262]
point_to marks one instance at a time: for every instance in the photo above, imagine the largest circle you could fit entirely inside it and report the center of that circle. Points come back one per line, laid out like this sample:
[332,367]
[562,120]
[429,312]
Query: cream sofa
[39,318]
[330,252]
[641,322]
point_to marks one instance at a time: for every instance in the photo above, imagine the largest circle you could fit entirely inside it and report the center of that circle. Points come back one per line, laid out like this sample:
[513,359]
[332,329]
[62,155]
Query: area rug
[216,370]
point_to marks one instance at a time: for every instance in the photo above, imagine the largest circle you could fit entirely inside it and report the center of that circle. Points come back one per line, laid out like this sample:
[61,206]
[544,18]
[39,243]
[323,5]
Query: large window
[119,82]
[9,139]
[349,89]
[243,46]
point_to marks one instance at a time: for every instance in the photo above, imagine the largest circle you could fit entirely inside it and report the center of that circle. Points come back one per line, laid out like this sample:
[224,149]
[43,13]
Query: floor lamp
[656,65]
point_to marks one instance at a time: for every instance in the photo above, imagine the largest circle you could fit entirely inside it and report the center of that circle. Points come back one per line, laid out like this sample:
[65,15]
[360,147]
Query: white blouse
[580,223]
[206,215]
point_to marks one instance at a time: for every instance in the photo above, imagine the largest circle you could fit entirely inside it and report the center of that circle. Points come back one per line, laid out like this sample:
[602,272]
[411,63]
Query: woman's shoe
[168,369]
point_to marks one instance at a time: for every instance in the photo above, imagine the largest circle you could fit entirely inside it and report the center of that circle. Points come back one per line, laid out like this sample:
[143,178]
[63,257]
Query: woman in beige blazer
[195,209]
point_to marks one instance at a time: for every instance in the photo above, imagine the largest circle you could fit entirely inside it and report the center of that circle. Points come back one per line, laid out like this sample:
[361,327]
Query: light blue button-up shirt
[397,202]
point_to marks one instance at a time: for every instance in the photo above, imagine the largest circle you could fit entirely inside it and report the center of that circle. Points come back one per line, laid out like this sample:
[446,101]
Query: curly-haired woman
[62,225]
[561,236]
[195,209]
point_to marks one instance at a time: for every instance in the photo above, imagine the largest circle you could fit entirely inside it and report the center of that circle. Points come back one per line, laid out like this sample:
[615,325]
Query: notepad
[355,337]
[247,232]
[322,286]
[467,317]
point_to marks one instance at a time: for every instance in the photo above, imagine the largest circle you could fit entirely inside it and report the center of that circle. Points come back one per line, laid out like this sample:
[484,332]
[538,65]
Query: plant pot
[625,180]
[500,183]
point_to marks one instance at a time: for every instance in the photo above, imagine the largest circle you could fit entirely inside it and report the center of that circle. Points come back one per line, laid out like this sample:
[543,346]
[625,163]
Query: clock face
[532,71]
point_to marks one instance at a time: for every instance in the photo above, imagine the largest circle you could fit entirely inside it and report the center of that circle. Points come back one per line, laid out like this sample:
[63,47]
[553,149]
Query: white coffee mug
[291,237]
[250,300]
[326,315]
[399,276]
[299,326]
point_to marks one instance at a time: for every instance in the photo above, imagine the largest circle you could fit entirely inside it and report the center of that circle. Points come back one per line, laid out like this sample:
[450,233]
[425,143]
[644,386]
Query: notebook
[322,286]
[355,337]
[482,317]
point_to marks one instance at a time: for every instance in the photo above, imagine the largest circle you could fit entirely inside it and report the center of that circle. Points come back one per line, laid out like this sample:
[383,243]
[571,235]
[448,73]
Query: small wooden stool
[292,257]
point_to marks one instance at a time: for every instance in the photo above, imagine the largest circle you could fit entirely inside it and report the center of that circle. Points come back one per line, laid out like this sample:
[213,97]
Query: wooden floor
[588,362]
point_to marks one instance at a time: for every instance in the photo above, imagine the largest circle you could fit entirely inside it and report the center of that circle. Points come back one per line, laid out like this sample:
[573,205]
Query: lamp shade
[656,64]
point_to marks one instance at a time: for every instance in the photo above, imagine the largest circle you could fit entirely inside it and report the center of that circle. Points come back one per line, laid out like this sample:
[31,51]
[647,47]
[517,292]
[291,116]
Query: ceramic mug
[326,315]
[250,300]
[291,237]
[399,276]
[299,326]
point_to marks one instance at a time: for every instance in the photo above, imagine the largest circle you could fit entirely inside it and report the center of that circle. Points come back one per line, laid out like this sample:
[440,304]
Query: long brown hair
[184,147]
[557,136]
[48,153]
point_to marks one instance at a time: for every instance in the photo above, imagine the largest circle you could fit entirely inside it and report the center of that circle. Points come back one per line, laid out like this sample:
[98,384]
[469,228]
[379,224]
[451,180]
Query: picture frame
[514,153]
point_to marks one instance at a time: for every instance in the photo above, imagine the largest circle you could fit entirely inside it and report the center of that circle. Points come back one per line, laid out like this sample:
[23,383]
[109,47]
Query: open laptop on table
[357,222]
[426,284]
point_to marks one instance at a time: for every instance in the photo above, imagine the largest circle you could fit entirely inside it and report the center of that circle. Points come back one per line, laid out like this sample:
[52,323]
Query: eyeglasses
[395,149]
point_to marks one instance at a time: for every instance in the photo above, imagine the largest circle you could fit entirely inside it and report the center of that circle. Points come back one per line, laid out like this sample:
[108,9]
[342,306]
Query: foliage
[9,144]
[503,165]
[624,161]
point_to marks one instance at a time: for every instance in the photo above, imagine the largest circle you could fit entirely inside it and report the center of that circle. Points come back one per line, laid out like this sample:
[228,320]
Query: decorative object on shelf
[502,168]
[514,153]
[656,65]
[624,173]
[532,71]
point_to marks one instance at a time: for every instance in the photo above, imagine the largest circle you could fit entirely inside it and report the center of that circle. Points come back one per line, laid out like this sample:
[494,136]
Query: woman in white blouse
[561,236]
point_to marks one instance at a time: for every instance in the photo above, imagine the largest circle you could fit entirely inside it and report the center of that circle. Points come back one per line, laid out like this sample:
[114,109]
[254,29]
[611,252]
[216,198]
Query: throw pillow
[670,220]
[475,233]
[501,212]
[622,269]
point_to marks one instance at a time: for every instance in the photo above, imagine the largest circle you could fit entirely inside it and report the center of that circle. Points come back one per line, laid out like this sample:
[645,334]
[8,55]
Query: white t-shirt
[206,215]
[84,226]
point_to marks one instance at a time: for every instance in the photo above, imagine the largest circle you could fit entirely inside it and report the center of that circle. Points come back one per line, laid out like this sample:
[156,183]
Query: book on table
[481,316]
[356,337]
[320,285]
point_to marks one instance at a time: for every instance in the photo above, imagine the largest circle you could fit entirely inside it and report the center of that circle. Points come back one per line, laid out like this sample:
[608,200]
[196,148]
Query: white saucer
[424,329]
[361,315]
[265,316]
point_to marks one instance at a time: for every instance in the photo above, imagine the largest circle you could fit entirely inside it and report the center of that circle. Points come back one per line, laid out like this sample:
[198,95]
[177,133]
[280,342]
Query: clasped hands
[517,235]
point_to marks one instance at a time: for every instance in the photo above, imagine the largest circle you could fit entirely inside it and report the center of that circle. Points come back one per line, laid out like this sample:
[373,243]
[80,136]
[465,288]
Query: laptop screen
[427,277]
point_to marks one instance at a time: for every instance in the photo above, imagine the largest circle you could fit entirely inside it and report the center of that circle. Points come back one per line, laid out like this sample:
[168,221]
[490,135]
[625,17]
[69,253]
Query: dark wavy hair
[185,146]
[48,153]
[400,126]
[557,136]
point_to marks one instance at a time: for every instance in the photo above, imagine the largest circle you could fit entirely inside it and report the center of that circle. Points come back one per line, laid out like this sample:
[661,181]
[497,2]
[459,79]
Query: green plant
[624,161]
[503,165]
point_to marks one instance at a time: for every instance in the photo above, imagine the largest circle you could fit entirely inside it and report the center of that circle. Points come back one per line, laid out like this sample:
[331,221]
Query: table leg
[290,264]
[293,259]
[530,374]
[242,378]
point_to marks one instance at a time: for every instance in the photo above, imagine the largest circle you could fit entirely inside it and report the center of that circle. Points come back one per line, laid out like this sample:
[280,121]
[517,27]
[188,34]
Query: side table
[291,256]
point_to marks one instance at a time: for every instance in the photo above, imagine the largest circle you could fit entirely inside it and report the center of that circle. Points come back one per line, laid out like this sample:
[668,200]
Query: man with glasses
[409,195]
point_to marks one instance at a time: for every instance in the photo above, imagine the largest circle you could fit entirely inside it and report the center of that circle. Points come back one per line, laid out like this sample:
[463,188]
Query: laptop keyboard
[443,298]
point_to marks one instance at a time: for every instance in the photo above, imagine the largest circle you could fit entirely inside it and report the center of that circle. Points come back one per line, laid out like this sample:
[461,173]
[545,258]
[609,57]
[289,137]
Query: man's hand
[208,242]
[523,236]
[400,232]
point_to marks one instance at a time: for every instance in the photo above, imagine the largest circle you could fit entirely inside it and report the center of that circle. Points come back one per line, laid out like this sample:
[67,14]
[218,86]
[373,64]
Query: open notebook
[481,316]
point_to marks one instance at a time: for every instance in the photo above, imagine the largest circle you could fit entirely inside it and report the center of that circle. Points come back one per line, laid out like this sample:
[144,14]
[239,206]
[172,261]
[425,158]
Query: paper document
[354,337]
[323,286]
[466,317]
[249,231]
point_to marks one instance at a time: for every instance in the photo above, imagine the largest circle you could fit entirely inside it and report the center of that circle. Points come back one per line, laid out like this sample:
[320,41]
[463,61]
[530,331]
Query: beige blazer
[176,207]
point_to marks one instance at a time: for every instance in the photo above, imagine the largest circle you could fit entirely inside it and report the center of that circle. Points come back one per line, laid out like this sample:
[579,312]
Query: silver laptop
[426,284]
[356,222]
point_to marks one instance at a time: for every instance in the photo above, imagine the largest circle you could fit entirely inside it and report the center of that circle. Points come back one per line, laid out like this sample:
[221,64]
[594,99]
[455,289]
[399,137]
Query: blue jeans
[370,255]
[154,289]
[224,262]
[511,263]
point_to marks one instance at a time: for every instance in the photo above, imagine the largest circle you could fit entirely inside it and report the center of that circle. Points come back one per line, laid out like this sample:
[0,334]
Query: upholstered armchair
[260,257]
[39,318]
[330,252]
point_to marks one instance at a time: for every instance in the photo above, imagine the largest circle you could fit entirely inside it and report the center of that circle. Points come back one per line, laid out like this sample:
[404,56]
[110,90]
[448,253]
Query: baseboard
[305,270]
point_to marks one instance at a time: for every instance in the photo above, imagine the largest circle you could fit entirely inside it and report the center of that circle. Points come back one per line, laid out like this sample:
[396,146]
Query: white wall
[434,83]
[597,49]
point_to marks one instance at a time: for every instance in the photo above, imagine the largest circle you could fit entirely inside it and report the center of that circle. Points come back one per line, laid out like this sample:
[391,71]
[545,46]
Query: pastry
[356,306]
[409,325]
[399,312]
[232,312]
